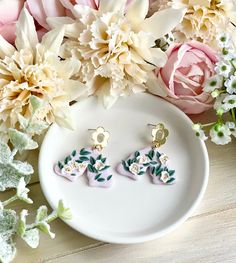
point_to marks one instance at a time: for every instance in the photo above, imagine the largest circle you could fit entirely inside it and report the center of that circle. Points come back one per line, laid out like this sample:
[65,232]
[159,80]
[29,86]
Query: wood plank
[208,239]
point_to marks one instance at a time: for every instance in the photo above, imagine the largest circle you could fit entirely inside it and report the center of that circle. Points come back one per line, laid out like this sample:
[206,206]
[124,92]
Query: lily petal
[53,39]
[6,49]
[163,22]
[137,10]
[112,6]
[25,31]
[75,89]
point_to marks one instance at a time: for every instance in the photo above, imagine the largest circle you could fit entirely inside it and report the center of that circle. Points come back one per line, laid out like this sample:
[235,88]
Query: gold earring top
[159,135]
[100,138]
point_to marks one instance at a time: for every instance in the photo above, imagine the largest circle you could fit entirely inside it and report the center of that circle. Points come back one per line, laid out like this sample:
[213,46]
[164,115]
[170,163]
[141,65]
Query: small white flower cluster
[220,133]
[222,87]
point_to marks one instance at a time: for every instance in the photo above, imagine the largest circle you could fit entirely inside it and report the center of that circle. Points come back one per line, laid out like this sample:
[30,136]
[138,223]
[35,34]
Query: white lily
[115,44]
[33,68]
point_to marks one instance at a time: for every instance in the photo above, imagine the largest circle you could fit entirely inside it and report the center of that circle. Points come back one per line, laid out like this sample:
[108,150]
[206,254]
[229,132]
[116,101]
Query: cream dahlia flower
[205,19]
[114,45]
[33,68]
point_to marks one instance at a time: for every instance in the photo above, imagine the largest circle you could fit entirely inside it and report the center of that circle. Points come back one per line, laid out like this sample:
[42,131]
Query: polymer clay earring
[150,160]
[89,160]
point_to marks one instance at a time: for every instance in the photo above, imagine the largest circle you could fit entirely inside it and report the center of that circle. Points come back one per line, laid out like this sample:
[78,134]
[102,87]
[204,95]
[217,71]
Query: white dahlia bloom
[33,68]
[114,45]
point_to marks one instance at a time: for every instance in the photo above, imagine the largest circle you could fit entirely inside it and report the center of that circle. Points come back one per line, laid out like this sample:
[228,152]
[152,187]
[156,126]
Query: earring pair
[148,160]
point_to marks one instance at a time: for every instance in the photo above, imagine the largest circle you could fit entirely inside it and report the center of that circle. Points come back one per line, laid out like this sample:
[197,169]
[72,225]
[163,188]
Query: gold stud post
[159,134]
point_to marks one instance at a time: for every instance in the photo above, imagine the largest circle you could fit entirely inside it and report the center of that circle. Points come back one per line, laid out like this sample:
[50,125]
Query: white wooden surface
[208,236]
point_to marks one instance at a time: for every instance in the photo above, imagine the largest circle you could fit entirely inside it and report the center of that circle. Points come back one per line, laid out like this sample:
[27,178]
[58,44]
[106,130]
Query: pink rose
[183,76]
[9,13]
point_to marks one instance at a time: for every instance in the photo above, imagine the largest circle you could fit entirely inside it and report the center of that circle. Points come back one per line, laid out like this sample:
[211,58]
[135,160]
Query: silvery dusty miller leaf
[7,229]
[5,152]
[7,250]
[31,237]
[42,213]
[7,223]
[10,174]
[21,141]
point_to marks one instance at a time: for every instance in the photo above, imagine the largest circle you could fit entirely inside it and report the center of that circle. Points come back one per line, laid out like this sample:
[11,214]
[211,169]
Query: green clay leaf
[141,172]
[73,153]
[83,158]
[84,152]
[105,168]
[91,169]
[92,160]
[60,165]
[101,180]
[151,154]
[97,176]
[171,172]
[136,154]
[158,155]
[109,177]
[103,160]
[172,179]
[99,157]
[21,141]
[125,166]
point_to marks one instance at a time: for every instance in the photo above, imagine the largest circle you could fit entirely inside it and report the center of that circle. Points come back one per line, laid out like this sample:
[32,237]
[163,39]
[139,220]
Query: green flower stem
[208,124]
[48,219]
[233,115]
[10,200]
[52,217]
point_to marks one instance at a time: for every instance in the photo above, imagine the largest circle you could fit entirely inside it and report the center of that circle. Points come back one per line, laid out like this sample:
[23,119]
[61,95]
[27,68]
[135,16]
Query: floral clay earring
[150,160]
[90,159]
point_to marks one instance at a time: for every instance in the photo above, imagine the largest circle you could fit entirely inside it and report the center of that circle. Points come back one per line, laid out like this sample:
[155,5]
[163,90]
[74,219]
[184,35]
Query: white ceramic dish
[130,211]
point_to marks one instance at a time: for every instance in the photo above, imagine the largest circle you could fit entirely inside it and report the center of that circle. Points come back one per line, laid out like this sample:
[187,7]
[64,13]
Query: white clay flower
[22,191]
[99,165]
[134,168]
[82,166]
[67,170]
[164,159]
[223,68]
[220,134]
[32,68]
[232,128]
[115,45]
[214,82]
[143,159]
[230,84]
[229,102]
[165,177]
[199,132]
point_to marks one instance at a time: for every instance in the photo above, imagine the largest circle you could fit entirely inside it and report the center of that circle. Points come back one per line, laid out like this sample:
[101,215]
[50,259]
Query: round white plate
[130,211]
